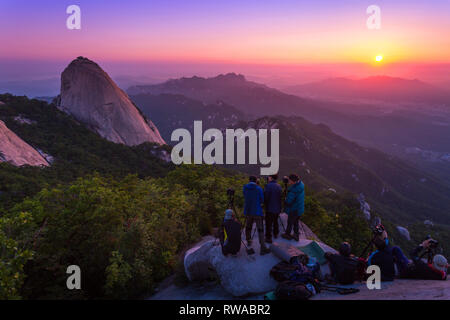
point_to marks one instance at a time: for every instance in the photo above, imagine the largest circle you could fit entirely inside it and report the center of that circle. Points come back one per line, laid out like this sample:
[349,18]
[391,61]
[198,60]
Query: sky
[280,41]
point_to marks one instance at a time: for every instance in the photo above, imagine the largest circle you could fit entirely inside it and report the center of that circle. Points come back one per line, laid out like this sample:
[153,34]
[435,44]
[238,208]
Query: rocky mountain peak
[92,97]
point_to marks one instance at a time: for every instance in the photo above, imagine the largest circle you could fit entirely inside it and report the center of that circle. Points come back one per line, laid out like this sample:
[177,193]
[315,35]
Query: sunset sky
[275,34]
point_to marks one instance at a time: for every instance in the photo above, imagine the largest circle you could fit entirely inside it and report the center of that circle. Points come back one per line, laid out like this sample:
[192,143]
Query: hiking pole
[302,227]
[284,202]
[339,290]
[250,251]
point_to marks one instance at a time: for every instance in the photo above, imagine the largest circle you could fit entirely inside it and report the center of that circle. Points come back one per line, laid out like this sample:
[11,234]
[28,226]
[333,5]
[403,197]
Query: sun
[379,58]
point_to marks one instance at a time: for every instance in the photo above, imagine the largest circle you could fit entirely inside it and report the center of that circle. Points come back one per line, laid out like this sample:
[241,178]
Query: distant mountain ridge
[172,111]
[388,125]
[377,88]
[249,97]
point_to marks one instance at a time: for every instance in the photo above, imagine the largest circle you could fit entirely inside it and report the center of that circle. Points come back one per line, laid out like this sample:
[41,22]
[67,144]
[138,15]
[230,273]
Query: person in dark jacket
[230,234]
[294,206]
[253,201]
[434,269]
[343,266]
[384,259]
[272,202]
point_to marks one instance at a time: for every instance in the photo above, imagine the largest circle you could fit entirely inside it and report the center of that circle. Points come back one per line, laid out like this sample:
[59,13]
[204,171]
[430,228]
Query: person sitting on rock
[253,200]
[343,266]
[230,234]
[272,202]
[387,257]
[383,258]
[434,269]
[294,206]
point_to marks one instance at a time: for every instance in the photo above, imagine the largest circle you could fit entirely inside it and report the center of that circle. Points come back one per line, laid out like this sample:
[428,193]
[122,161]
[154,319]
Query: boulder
[365,207]
[404,232]
[241,275]
[428,223]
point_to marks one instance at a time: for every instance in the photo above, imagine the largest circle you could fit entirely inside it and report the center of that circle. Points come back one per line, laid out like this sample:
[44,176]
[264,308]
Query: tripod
[284,199]
[368,246]
[429,253]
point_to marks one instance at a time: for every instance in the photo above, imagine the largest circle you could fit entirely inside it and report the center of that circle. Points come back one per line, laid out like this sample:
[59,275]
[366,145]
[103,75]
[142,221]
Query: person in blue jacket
[294,206]
[254,198]
[272,203]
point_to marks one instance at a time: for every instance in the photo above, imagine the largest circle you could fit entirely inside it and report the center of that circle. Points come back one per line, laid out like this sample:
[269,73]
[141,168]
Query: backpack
[283,271]
[297,272]
[347,272]
[292,290]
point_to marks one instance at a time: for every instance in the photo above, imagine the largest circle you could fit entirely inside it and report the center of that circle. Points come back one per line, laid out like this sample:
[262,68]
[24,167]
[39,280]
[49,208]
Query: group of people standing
[265,206]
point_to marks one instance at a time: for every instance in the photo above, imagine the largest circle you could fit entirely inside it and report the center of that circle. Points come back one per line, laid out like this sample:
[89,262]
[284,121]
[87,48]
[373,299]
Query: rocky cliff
[92,97]
[16,151]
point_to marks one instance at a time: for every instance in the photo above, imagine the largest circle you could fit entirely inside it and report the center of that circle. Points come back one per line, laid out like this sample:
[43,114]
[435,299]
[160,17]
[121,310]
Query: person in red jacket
[434,269]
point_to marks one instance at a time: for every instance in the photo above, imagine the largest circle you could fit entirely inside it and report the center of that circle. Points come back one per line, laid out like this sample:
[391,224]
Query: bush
[124,235]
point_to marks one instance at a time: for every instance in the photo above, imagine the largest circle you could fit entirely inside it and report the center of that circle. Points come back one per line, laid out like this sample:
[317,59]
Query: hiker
[272,202]
[387,257]
[343,266]
[253,200]
[383,258]
[294,206]
[230,234]
[434,269]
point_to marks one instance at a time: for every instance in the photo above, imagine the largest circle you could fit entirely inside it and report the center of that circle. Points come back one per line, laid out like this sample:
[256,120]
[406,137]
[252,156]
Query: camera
[378,230]
[285,180]
[230,192]
[433,243]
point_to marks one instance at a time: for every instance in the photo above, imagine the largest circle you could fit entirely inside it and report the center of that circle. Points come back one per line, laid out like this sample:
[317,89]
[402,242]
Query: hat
[228,214]
[440,263]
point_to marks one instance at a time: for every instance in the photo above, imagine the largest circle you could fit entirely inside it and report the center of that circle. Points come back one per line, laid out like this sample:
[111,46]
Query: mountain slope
[399,190]
[326,160]
[16,151]
[181,112]
[389,126]
[76,151]
[92,97]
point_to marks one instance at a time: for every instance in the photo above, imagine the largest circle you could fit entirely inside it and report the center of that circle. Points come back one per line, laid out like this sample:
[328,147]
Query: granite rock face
[242,275]
[92,97]
[16,151]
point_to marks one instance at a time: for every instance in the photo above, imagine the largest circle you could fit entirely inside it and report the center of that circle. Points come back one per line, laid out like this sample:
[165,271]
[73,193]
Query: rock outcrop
[242,275]
[16,151]
[404,232]
[92,97]
[365,207]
